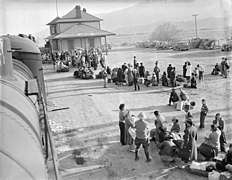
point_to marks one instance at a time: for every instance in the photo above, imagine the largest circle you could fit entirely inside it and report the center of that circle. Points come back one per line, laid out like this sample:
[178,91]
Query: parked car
[181,46]
[227,46]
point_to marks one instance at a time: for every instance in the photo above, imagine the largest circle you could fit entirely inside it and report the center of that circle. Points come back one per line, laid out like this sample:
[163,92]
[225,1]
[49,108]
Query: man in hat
[142,134]
[190,138]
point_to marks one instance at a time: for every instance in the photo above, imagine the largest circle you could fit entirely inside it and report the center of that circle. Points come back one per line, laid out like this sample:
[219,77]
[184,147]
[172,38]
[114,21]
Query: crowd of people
[135,131]
[223,69]
[80,58]
[136,74]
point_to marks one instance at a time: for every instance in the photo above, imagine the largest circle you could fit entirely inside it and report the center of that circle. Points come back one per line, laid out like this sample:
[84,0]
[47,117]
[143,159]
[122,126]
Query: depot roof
[82,30]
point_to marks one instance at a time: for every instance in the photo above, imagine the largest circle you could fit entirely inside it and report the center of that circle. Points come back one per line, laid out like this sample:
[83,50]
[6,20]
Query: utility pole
[56,8]
[195,15]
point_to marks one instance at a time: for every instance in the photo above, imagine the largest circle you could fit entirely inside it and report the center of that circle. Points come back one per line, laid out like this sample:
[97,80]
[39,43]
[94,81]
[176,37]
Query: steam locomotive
[22,142]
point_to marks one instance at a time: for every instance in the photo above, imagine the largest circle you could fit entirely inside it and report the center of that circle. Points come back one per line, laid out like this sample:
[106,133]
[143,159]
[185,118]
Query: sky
[31,16]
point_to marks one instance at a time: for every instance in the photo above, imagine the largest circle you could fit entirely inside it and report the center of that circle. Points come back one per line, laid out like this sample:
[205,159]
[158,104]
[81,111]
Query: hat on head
[175,119]
[189,120]
[142,115]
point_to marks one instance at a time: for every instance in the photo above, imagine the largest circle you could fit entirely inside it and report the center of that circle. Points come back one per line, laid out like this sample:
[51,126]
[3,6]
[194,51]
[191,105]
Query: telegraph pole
[195,15]
[56,8]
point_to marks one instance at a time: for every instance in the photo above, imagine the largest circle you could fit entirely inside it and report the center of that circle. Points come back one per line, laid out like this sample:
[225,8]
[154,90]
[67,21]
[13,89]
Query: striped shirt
[204,108]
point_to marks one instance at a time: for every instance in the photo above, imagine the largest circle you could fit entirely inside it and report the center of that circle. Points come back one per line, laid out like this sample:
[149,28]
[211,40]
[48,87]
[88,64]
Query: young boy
[203,114]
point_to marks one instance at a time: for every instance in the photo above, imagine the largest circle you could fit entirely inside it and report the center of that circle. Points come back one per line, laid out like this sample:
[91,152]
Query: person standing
[120,76]
[201,70]
[141,70]
[190,138]
[169,70]
[130,75]
[220,125]
[203,113]
[226,68]
[125,72]
[129,123]
[136,77]
[188,71]
[184,69]
[142,134]
[173,77]
[104,75]
[157,71]
[222,66]
[135,62]
[122,115]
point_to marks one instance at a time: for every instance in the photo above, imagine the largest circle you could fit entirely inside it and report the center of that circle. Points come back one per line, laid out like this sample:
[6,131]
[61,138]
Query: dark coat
[120,75]
[221,124]
[190,137]
[174,97]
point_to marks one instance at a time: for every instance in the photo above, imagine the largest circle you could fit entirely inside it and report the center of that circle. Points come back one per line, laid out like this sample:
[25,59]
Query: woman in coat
[190,138]
[122,115]
[220,125]
[129,122]
[130,75]
[188,71]
[120,76]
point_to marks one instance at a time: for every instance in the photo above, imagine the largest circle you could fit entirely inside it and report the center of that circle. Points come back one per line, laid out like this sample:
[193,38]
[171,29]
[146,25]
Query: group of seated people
[170,141]
[62,66]
[180,101]
[216,70]
[84,73]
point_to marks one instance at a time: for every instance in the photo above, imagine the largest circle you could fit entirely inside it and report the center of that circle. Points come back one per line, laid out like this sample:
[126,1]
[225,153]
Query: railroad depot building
[77,29]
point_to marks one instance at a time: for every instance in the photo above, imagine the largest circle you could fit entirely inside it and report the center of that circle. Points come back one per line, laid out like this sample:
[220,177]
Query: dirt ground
[86,133]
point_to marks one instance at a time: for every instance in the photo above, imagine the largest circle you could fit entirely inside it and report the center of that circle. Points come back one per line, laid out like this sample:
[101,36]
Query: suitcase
[179,105]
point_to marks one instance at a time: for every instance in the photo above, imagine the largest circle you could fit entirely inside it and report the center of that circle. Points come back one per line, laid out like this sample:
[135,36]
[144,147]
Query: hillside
[144,16]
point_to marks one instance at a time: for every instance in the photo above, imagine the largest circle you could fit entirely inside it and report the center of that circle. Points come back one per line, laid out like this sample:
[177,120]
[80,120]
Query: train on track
[23,135]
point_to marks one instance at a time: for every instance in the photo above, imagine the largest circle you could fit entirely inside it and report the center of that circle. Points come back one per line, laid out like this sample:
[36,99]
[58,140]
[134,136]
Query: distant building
[77,29]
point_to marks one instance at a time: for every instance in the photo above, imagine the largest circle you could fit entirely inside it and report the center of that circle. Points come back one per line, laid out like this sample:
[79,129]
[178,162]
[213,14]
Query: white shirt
[189,70]
[201,68]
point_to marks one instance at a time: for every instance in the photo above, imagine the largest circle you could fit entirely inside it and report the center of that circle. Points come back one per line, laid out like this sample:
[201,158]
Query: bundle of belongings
[61,67]
[83,73]
[218,169]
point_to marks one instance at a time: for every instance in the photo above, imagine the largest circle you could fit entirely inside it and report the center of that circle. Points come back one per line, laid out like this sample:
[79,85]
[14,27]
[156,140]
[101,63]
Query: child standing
[203,114]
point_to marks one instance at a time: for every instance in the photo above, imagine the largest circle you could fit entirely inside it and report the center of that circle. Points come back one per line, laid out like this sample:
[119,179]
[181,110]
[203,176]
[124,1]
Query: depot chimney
[78,11]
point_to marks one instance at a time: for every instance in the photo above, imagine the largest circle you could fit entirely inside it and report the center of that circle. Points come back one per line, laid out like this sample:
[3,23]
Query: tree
[164,32]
